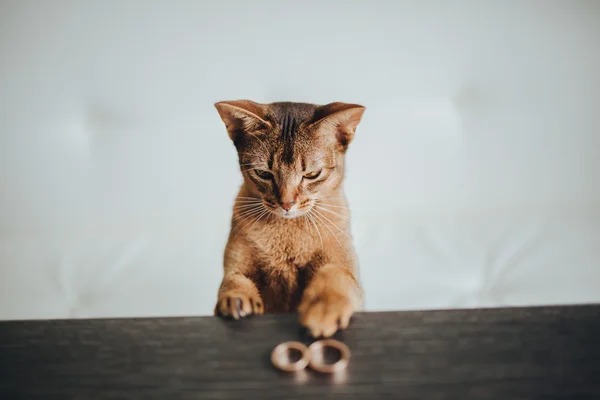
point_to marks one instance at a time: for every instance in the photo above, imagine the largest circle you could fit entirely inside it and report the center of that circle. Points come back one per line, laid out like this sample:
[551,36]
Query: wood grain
[519,353]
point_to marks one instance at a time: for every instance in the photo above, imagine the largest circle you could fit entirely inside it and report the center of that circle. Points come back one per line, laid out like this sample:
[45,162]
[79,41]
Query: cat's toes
[325,313]
[238,305]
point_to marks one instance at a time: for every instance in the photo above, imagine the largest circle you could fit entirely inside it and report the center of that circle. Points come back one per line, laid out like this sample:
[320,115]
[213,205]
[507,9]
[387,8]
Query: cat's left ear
[242,116]
[339,120]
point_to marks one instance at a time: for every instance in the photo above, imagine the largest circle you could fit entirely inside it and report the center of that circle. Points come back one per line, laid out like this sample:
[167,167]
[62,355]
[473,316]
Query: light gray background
[474,176]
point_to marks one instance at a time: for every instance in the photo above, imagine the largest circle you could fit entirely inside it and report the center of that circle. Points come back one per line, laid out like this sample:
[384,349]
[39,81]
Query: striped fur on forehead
[289,118]
[290,139]
[289,128]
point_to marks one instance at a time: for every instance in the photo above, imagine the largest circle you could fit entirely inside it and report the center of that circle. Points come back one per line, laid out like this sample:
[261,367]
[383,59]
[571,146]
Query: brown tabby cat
[290,248]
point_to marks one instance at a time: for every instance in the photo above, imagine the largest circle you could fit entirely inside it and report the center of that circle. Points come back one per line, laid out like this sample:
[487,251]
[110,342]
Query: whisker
[312,220]
[334,235]
[259,218]
[247,213]
[320,222]
[254,218]
[305,220]
[239,224]
[244,223]
[334,213]
[246,206]
[247,203]
[244,201]
[344,207]
[240,218]
[338,228]
[241,206]
[318,230]
[332,205]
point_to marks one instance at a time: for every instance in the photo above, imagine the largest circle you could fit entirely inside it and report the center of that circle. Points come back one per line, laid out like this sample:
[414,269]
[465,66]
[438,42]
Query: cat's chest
[285,243]
[288,256]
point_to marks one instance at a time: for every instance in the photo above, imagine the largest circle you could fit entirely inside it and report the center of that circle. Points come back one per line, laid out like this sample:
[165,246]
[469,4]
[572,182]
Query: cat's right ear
[242,116]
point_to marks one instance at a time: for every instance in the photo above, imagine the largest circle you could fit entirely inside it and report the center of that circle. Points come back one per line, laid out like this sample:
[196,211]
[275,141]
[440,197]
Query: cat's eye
[262,174]
[313,175]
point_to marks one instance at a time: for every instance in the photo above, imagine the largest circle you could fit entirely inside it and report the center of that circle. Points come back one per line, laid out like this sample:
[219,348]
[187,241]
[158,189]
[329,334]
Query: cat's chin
[289,214]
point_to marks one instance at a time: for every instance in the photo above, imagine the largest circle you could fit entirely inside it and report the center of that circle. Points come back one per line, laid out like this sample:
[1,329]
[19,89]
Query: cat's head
[291,154]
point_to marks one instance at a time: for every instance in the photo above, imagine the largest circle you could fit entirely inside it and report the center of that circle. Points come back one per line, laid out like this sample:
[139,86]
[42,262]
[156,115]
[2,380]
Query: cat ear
[339,120]
[242,116]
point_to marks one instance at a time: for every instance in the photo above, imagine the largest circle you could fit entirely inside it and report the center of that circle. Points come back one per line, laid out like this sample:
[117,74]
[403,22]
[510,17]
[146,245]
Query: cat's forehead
[288,152]
[298,112]
[289,144]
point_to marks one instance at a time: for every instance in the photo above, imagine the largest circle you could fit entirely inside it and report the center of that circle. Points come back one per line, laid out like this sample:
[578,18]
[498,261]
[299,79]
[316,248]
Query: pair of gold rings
[313,356]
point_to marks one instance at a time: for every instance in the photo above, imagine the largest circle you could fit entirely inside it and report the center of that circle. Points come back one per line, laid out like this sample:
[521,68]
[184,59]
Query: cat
[290,248]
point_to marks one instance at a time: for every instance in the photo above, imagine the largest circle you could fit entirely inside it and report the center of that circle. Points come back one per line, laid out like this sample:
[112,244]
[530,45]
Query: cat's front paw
[324,313]
[238,305]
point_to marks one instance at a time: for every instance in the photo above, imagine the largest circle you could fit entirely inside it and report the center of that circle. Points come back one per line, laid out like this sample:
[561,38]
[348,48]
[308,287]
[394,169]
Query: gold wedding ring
[317,356]
[313,356]
[280,356]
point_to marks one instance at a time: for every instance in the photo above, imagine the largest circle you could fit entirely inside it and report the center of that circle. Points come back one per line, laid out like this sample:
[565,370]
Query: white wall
[117,176]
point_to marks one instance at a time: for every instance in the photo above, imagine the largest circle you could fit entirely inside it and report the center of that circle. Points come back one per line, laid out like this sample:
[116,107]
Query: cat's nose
[287,206]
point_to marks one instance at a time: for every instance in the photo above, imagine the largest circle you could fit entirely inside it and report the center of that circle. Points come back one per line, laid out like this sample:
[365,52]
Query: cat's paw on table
[325,312]
[238,305]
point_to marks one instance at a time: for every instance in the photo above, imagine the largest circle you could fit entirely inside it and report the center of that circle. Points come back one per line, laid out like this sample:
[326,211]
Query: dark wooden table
[520,353]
